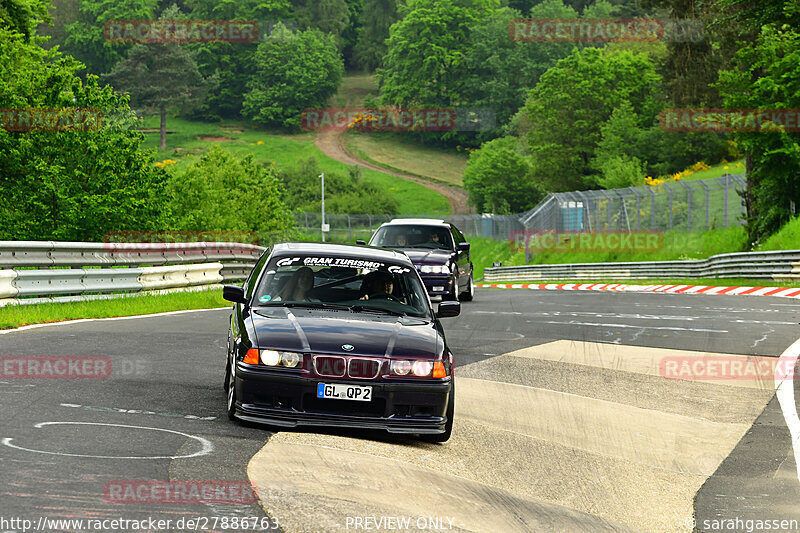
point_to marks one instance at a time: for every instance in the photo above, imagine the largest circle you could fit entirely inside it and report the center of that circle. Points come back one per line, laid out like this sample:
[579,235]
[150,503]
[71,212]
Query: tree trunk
[163,128]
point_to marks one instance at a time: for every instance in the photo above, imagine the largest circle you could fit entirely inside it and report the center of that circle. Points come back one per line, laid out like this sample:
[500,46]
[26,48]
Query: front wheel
[448,427]
[231,404]
[469,294]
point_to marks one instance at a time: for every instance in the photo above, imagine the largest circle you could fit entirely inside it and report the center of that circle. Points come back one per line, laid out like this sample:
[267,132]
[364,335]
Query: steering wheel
[383,296]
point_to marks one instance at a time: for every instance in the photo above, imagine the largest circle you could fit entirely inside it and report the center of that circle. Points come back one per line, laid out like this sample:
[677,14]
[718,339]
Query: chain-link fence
[693,205]
[349,228]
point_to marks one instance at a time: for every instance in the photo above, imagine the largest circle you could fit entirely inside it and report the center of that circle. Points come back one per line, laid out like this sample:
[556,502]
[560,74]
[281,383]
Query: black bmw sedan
[438,250]
[337,335]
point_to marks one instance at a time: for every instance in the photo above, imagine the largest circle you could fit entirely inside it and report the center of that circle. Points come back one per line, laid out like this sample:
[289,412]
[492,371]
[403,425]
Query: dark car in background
[439,251]
[338,335]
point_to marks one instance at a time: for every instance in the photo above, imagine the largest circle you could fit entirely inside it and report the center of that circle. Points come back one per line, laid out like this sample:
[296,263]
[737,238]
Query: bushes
[343,193]
[497,178]
[222,192]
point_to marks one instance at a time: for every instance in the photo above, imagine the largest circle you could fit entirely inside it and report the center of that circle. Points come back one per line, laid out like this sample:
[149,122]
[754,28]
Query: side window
[249,285]
[456,237]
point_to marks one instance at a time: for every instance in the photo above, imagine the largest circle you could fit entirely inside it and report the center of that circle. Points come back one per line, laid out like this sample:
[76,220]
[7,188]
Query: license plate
[344,392]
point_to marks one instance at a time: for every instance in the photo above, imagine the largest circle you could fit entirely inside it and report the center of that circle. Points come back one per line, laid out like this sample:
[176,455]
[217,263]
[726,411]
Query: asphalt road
[562,424]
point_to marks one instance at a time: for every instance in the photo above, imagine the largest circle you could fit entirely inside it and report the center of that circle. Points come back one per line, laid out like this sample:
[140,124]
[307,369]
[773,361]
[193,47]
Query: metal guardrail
[65,270]
[778,265]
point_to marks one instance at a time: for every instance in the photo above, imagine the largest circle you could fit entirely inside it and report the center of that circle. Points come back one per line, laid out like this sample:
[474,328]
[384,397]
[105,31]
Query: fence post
[670,204]
[703,183]
[638,210]
[725,202]
[688,206]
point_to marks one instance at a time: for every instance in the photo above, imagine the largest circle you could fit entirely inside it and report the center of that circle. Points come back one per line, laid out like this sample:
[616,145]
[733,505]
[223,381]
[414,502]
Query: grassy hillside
[191,139]
[788,238]
[393,152]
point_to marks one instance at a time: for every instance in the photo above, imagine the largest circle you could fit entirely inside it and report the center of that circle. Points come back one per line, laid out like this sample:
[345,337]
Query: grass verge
[14,316]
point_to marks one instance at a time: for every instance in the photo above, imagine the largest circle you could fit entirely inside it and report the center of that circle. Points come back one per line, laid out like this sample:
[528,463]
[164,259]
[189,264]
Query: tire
[231,394]
[448,427]
[468,294]
[452,296]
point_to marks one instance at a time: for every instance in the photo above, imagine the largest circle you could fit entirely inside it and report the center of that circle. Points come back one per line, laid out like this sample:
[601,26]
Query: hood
[325,331]
[425,256]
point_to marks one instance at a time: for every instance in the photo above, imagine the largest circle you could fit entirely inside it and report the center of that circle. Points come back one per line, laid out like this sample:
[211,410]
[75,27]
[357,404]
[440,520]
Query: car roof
[349,250]
[417,221]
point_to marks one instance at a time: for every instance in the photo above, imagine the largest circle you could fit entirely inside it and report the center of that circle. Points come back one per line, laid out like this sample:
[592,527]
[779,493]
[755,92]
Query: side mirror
[361,242]
[448,309]
[463,247]
[233,294]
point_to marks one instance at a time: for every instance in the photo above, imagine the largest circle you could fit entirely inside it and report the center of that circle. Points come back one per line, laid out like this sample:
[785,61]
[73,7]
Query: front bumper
[437,284]
[289,400]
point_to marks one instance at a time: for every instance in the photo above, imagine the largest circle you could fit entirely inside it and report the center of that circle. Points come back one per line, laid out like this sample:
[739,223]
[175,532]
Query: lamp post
[323,228]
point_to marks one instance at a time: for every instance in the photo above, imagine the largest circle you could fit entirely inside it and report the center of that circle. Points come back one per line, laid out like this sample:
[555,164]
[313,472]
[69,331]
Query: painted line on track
[206,446]
[780,292]
[784,386]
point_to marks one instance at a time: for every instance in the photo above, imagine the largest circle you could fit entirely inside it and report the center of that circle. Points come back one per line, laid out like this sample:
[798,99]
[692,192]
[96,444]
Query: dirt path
[332,144]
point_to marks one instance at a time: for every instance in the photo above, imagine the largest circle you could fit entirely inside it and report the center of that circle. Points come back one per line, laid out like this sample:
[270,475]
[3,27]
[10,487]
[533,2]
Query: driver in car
[377,285]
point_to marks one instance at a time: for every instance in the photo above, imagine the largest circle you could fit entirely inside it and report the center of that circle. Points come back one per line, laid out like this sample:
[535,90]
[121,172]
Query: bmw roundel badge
[348,347]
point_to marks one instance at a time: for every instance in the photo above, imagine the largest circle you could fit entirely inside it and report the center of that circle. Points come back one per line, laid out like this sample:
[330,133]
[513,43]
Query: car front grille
[333,366]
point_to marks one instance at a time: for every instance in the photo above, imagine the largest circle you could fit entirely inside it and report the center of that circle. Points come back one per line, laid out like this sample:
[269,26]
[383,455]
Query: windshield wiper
[308,305]
[361,309]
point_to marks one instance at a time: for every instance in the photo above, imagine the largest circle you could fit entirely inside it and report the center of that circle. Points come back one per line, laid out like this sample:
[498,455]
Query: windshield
[358,284]
[432,237]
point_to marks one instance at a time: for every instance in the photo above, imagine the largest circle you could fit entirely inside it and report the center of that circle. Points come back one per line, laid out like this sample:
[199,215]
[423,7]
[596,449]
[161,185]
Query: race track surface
[565,421]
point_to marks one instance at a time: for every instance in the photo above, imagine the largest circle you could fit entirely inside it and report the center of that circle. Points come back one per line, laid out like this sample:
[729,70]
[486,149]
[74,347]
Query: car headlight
[275,358]
[422,368]
[291,359]
[270,357]
[400,367]
[434,269]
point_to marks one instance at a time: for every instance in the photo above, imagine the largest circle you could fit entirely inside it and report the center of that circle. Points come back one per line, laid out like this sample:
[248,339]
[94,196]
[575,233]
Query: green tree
[85,39]
[22,16]
[497,178]
[294,71]
[328,16]
[161,77]
[499,71]
[766,74]
[225,193]
[571,101]
[427,48]
[233,64]
[70,185]
[376,18]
